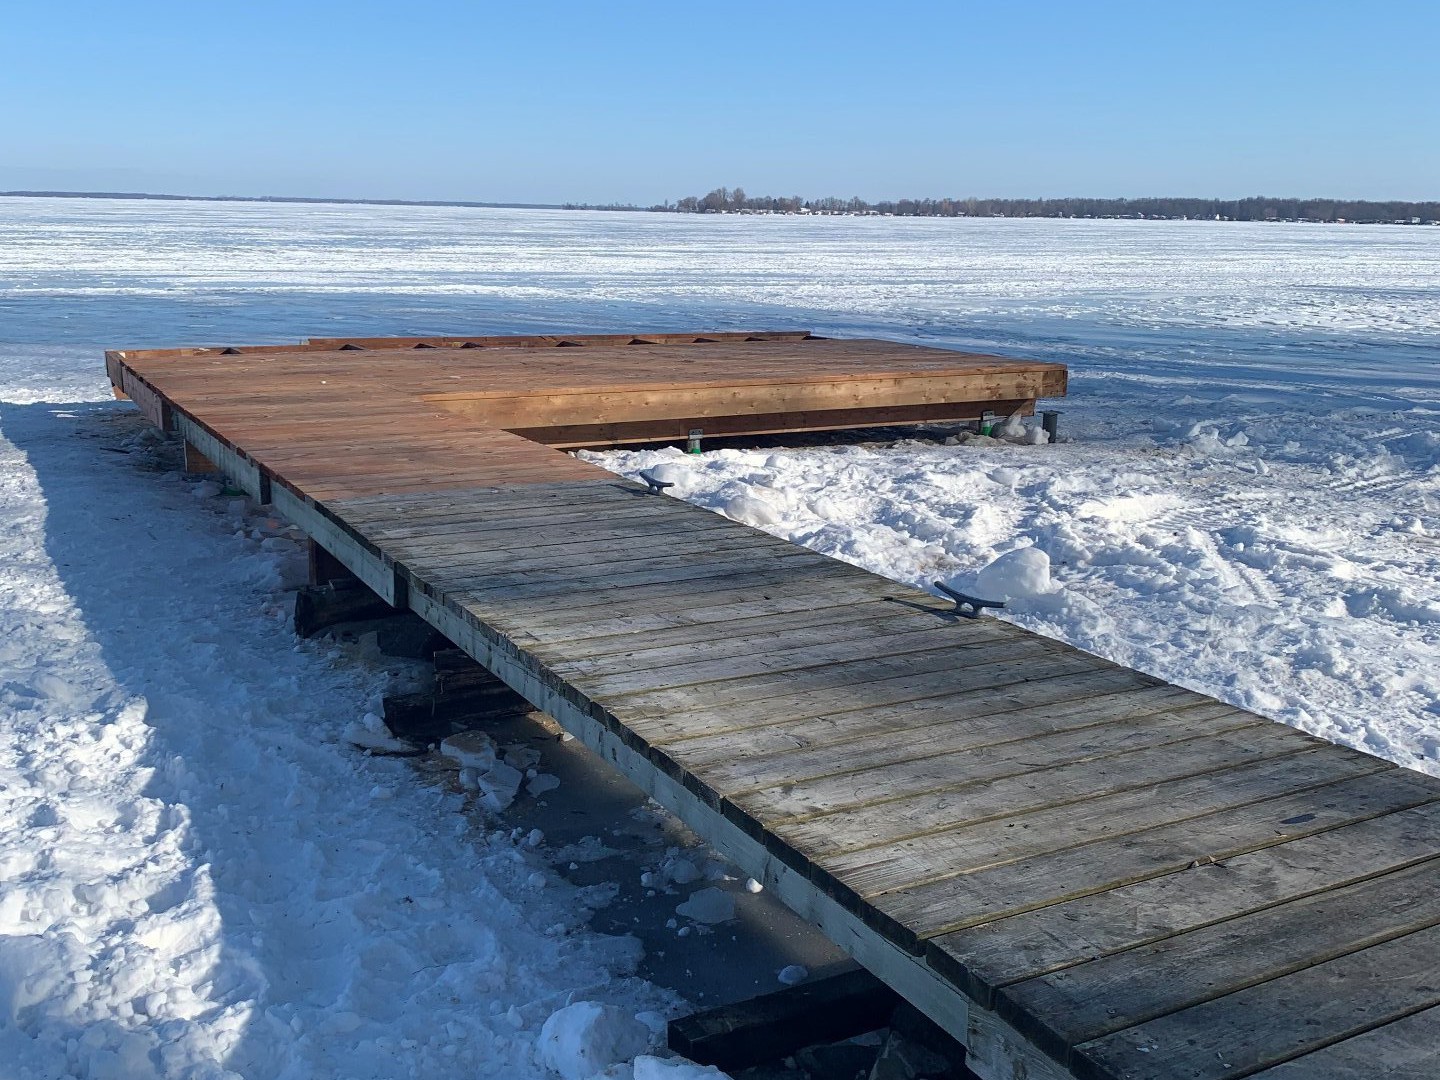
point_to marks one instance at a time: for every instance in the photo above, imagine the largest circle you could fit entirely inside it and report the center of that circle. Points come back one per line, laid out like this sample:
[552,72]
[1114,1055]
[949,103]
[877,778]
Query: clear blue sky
[546,102]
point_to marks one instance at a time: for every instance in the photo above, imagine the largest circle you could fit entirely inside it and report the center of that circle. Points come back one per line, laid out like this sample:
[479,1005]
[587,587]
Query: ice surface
[708,905]
[200,876]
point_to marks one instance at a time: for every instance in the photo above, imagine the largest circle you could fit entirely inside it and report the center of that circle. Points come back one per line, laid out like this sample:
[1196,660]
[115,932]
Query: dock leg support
[771,1026]
[1050,422]
[197,464]
[324,567]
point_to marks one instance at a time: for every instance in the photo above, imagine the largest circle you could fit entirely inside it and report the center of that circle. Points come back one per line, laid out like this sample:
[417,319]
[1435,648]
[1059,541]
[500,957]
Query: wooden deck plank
[539,603]
[600,552]
[992,729]
[841,612]
[965,805]
[1278,1020]
[567,542]
[885,689]
[1068,816]
[722,651]
[824,788]
[1404,1049]
[1007,951]
[724,606]
[794,650]
[1131,988]
[576,522]
[1019,711]
[971,899]
[582,615]
[853,680]
[582,584]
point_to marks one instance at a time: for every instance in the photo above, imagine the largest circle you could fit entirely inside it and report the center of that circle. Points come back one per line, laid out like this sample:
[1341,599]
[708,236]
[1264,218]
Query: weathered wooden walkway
[1078,870]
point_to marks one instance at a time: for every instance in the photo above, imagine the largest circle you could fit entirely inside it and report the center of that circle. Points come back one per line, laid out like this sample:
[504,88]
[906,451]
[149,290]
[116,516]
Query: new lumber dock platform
[1076,869]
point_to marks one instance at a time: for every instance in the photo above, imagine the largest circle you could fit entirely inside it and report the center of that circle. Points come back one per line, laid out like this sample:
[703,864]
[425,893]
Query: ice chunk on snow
[540,783]
[370,733]
[470,750]
[520,755]
[1017,574]
[655,1021]
[481,770]
[710,905]
[1012,427]
[587,1037]
[498,786]
[682,871]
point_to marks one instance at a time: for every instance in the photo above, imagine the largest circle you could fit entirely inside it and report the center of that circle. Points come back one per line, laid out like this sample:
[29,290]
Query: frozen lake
[1247,502]
[1122,292]
[1279,383]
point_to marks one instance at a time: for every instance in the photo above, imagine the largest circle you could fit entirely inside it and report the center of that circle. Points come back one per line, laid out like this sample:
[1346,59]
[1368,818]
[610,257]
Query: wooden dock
[1077,870]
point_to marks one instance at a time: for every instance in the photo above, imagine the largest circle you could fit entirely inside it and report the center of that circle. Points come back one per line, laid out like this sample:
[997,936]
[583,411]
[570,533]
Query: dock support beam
[772,1026]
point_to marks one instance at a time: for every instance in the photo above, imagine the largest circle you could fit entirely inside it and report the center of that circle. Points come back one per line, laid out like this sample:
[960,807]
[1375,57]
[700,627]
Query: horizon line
[572,205]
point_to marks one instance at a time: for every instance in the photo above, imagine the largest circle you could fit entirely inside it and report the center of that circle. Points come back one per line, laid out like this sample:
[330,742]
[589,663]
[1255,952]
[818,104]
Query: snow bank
[751,510]
[1296,578]
[200,875]
[1018,574]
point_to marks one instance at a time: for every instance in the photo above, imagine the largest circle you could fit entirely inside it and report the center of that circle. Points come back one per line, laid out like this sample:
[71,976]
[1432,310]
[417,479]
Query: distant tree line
[1259,208]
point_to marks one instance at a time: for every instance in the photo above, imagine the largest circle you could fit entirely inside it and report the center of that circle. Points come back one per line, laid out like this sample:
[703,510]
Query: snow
[1022,574]
[1296,577]
[202,876]
[647,1067]
[750,509]
[588,1037]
